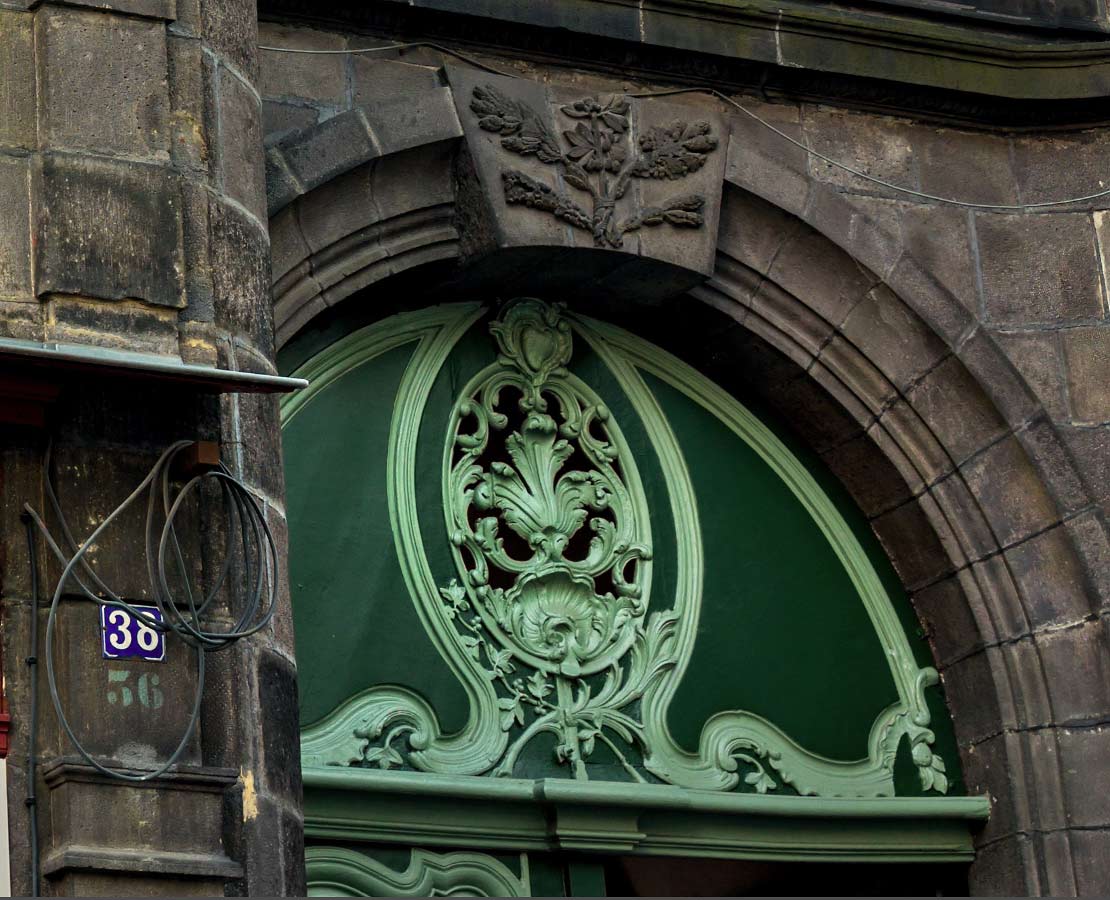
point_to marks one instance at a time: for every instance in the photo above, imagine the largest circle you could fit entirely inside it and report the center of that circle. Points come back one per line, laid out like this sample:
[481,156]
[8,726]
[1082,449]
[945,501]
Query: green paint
[769,570]
[345,576]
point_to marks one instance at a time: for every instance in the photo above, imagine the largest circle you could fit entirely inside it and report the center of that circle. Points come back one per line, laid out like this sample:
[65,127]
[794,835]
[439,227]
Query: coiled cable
[181,615]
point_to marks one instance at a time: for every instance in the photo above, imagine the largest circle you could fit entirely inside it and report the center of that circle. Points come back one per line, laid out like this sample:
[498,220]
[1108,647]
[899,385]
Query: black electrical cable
[32,661]
[181,617]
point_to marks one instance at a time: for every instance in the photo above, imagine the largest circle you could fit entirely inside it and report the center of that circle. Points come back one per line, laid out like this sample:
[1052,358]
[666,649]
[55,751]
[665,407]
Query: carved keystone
[639,177]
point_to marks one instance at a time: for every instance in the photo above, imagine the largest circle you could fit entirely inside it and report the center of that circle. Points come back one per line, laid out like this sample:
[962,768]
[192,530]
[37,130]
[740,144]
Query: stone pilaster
[132,217]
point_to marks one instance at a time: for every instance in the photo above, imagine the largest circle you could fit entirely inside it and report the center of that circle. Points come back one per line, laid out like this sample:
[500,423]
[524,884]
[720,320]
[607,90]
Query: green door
[564,608]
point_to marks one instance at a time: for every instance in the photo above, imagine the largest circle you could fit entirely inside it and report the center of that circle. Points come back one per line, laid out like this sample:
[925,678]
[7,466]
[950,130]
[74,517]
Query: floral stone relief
[558,166]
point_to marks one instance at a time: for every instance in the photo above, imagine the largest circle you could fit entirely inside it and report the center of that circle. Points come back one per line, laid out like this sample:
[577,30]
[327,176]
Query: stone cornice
[886,60]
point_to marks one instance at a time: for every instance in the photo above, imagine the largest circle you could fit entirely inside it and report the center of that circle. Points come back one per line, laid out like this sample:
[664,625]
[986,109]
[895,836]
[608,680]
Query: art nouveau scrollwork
[549,621]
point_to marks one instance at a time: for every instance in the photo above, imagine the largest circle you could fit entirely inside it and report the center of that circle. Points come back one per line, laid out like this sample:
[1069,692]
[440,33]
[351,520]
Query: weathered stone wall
[950,365]
[133,216]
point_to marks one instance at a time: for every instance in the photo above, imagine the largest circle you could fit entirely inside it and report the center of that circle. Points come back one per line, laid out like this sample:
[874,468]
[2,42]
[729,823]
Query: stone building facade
[220,186]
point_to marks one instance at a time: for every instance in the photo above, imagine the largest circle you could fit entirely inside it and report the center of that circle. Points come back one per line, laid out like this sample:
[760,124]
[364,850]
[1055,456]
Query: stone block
[1041,177]
[164,10]
[130,711]
[259,421]
[1091,539]
[374,79]
[1090,448]
[282,187]
[1087,353]
[973,687]
[1101,219]
[649,186]
[821,276]
[345,207]
[1051,579]
[964,518]
[762,162]
[870,477]
[240,156]
[1000,599]
[1024,688]
[116,324]
[21,319]
[239,253]
[1076,663]
[880,147]
[928,296]
[230,29]
[280,119]
[191,81]
[1038,356]
[17,88]
[913,546]
[414,180]
[1010,492]
[1050,455]
[198,269]
[103,83]
[892,337]
[136,839]
[938,239]
[15,212]
[182,810]
[277,697]
[330,149]
[1001,868]
[413,120]
[262,860]
[869,227]
[108,230]
[953,405]
[1090,855]
[1008,390]
[287,244]
[292,853]
[817,417]
[973,166]
[864,382]
[948,616]
[788,315]
[1085,774]
[1038,268]
[318,77]
[910,445]
[751,230]
[994,767]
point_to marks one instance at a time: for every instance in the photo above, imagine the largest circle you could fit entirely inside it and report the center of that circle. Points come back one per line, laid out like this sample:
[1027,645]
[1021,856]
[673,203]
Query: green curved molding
[364,345]
[546,635]
[562,814]
[338,872]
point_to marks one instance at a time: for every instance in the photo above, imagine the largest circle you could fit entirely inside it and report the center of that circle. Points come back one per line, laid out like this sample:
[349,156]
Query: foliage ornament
[549,623]
[596,156]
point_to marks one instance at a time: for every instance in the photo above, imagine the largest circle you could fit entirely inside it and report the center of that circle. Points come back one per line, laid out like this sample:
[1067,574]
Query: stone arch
[927,452]
[926,423]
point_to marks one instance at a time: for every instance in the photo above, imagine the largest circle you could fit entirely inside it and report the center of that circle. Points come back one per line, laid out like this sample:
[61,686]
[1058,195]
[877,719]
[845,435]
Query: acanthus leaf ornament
[599,157]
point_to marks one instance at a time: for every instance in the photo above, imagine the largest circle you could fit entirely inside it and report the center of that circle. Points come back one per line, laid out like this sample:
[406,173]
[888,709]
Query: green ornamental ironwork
[549,624]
